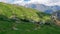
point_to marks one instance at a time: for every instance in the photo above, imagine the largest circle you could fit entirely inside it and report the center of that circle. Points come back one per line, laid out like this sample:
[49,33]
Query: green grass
[27,28]
[6,24]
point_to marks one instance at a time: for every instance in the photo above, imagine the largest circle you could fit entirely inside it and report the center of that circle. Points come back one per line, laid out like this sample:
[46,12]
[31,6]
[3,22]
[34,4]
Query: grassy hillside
[10,26]
[19,11]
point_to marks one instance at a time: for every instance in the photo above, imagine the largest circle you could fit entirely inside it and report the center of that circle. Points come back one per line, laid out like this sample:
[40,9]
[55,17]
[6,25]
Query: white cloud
[46,2]
[7,1]
[3,0]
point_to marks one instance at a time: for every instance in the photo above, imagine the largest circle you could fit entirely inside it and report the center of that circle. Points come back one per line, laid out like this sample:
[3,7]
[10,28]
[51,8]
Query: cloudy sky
[22,2]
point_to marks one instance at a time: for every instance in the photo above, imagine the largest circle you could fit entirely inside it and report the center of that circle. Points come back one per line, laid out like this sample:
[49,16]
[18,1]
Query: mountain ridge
[44,8]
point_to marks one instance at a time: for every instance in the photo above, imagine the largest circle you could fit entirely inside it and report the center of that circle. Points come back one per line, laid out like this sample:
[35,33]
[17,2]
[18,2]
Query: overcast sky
[46,2]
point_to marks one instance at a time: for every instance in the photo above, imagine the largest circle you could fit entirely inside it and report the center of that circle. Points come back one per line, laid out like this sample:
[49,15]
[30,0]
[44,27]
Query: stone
[36,29]
[17,21]
[14,28]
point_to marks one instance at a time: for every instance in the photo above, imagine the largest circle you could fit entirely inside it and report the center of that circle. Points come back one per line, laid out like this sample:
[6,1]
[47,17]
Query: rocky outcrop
[56,17]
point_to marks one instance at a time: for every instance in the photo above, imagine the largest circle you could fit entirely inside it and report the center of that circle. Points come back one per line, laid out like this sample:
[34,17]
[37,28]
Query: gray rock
[14,28]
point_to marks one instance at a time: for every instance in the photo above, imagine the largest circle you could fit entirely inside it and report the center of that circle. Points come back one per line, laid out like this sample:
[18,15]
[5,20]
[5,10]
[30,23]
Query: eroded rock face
[56,17]
[58,14]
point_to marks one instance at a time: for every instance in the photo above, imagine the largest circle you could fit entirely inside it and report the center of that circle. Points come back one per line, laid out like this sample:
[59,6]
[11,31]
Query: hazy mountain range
[44,8]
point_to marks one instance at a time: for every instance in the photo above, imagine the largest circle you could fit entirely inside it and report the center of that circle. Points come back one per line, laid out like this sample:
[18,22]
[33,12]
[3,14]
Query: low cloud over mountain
[46,2]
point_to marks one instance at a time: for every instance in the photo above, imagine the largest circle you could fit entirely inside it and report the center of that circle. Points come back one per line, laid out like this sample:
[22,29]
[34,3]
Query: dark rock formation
[56,17]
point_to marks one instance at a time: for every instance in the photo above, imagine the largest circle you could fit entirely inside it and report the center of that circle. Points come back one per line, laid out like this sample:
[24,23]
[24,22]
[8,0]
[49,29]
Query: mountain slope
[18,11]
